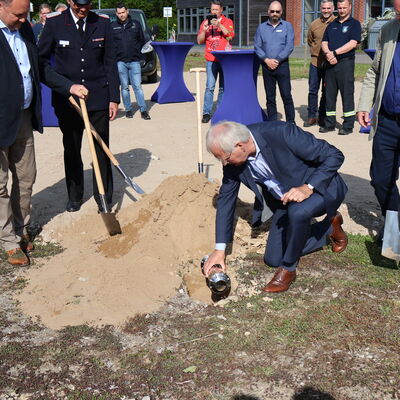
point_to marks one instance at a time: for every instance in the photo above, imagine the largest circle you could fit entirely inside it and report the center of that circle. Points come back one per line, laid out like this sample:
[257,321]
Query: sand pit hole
[107,280]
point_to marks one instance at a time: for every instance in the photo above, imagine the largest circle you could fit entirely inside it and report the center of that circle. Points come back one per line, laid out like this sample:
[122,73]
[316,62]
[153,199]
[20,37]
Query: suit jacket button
[81,49]
[83,80]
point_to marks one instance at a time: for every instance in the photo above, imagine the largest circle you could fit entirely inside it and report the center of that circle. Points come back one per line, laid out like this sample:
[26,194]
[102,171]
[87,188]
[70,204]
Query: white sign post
[167,13]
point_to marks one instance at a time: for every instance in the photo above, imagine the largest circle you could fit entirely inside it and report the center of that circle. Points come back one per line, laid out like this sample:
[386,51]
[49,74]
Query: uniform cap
[82,2]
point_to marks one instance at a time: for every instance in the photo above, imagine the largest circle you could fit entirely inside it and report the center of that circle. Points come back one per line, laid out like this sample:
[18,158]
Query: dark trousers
[281,75]
[72,126]
[385,164]
[340,77]
[315,77]
[291,234]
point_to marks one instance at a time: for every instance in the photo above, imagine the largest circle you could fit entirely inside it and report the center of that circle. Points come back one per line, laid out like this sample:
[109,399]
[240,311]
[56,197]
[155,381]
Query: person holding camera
[216,32]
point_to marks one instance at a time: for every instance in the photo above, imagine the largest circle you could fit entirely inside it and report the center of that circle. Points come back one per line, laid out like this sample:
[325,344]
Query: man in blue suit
[294,177]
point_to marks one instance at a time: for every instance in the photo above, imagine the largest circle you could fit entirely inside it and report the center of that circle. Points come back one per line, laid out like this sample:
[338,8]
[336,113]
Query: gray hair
[43,6]
[327,1]
[225,135]
[60,5]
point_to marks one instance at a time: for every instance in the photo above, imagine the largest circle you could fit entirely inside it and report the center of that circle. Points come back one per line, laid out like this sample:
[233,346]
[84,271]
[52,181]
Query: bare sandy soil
[103,280]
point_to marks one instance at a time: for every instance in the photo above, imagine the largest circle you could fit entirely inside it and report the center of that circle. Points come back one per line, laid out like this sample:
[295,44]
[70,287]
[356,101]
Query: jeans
[131,72]
[316,75]
[213,69]
[281,75]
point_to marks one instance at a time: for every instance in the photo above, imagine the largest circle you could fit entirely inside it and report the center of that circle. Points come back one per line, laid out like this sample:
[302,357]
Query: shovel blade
[134,186]
[111,223]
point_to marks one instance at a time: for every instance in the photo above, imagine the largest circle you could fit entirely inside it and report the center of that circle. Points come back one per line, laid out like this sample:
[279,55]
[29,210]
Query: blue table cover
[172,88]
[239,102]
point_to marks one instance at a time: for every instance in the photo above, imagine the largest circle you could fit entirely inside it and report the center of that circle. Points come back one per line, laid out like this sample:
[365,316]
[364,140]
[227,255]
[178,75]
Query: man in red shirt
[216,34]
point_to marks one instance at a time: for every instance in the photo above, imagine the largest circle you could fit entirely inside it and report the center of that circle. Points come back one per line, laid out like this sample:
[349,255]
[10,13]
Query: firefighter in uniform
[84,65]
[338,44]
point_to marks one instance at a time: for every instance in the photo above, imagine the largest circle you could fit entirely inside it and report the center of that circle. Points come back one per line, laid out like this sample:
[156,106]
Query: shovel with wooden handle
[199,134]
[109,218]
[110,155]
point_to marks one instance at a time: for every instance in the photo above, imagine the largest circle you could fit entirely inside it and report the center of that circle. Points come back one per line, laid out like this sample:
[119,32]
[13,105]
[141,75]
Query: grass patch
[335,331]
[46,250]
[298,68]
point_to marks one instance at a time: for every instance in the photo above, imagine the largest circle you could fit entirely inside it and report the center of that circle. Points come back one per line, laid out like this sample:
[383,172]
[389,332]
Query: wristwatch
[334,53]
[311,187]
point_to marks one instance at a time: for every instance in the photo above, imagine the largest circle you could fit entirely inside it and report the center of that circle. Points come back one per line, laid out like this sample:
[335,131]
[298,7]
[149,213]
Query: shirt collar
[338,21]
[250,158]
[329,20]
[269,23]
[75,18]
[4,26]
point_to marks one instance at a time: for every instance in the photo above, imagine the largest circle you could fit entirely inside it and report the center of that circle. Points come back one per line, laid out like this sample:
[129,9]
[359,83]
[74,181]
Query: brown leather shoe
[310,122]
[17,258]
[338,236]
[281,281]
[26,245]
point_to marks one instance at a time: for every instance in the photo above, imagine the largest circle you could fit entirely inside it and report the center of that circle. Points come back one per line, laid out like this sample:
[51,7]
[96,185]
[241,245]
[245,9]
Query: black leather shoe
[129,114]
[145,115]
[343,131]
[325,129]
[206,118]
[73,206]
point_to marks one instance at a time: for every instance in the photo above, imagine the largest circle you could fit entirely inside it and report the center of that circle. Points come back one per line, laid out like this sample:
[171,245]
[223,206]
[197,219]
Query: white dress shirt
[262,174]
[76,19]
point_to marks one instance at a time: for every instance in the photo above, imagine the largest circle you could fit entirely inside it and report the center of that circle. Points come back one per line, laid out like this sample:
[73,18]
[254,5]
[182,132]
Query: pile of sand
[105,280]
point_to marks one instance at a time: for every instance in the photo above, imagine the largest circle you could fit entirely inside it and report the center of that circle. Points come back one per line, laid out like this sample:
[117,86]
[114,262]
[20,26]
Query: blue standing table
[48,115]
[172,88]
[239,102]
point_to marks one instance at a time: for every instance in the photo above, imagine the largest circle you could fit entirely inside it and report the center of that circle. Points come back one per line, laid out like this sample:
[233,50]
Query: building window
[378,7]
[190,19]
[311,12]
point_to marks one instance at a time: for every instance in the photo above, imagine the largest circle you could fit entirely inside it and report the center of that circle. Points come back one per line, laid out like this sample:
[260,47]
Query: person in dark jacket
[20,113]
[84,56]
[294,178]
[129,40]
[44,9]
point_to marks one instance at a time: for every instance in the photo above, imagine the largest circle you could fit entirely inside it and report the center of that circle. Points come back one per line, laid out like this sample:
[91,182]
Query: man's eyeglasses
[225,161]
[275,11]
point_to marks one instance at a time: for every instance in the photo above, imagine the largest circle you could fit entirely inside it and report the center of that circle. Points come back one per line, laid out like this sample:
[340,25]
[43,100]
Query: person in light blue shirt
[273,43]
[20,113]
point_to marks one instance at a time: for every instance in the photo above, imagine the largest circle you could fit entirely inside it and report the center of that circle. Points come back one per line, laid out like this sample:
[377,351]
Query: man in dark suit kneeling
[294,177]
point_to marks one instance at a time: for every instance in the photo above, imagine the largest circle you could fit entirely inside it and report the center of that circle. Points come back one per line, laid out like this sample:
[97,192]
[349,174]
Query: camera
[211,17]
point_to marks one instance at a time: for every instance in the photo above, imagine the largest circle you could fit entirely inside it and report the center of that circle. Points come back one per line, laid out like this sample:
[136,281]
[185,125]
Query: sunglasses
[274,11]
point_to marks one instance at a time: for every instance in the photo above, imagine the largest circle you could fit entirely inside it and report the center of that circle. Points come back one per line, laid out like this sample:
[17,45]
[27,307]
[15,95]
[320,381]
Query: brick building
[248,14]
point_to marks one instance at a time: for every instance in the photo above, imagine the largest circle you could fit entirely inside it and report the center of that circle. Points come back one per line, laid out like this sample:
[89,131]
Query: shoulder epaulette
[103,16]
[53,14]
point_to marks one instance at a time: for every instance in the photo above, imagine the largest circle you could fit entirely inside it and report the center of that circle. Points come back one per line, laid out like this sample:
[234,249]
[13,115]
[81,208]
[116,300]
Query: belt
[393,117]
